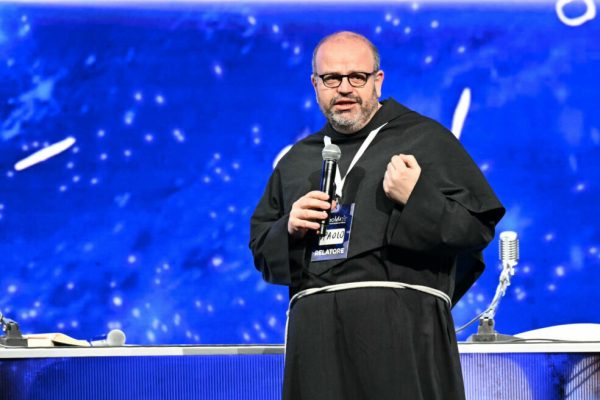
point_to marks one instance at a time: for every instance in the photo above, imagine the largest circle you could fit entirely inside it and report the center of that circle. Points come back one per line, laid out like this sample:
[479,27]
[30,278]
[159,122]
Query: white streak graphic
[588,15]
[281,154]
[45,153]
[460,114]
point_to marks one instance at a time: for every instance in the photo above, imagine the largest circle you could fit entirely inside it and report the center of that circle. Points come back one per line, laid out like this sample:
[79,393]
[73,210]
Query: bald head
[350,37]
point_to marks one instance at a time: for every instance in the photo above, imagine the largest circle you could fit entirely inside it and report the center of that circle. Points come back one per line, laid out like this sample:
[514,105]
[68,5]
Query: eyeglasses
[355,79]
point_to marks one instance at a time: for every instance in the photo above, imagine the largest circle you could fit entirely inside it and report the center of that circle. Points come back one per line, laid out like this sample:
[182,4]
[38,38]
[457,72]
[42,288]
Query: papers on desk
[53,339]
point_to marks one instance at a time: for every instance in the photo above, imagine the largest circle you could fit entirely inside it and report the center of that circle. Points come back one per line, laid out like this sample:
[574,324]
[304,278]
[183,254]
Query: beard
[351,122]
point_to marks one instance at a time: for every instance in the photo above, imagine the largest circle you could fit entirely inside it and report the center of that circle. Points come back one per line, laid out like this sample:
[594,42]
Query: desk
[528,371]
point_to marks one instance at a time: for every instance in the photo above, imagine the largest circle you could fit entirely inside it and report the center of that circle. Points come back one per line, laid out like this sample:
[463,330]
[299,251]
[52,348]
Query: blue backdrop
[178,112]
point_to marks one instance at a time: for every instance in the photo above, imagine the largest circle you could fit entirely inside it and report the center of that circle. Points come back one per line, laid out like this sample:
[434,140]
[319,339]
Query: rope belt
[367,284]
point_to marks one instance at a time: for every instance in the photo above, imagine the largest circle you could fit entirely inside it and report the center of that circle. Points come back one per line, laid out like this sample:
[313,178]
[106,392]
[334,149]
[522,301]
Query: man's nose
[345,86]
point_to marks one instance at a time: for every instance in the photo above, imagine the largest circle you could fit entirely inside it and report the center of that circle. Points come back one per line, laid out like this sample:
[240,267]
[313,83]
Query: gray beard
[342,124]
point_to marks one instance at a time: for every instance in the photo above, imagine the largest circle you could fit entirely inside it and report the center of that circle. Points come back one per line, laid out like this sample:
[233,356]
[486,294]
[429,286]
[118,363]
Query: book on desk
[53,339]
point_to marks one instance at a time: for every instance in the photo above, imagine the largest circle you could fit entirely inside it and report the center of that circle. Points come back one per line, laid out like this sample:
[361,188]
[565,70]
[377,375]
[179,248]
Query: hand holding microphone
[331,155]
[311,211]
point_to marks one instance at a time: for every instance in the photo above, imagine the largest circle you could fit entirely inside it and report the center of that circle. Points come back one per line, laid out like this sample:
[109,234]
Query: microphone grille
[115,337]
[331,152]
[509,246]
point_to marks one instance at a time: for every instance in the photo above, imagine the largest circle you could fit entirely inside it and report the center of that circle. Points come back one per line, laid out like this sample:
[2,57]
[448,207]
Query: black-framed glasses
[355,79]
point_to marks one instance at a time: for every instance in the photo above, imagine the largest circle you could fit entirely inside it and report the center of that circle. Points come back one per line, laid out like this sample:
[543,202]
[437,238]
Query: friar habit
[377,342]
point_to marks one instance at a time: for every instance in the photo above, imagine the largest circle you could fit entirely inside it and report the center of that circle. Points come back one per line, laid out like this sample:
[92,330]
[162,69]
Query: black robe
[379,343]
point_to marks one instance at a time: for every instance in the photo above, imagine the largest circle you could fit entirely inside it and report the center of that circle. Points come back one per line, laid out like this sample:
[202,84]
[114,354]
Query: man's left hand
[400,178]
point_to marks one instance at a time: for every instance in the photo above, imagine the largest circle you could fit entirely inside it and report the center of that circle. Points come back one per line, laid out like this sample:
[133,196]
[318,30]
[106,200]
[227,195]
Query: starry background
[179,111]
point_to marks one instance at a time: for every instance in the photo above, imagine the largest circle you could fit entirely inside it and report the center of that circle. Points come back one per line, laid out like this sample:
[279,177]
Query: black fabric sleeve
[269,239]
[452,207]
[431,221]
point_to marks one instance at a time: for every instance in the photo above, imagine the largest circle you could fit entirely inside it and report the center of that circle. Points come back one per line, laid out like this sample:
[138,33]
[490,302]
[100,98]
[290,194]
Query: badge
[334,244]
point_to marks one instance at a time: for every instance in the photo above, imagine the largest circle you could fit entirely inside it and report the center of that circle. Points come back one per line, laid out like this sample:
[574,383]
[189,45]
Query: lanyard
[339,182]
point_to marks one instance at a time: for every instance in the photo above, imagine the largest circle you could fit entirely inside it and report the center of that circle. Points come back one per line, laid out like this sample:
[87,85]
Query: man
[411,218]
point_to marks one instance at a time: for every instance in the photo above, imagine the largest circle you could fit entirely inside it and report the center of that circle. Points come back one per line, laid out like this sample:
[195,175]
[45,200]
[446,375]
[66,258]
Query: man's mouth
[344,104]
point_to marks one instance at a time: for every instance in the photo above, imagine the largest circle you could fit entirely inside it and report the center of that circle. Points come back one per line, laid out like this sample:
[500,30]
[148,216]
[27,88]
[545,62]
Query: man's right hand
[307,212]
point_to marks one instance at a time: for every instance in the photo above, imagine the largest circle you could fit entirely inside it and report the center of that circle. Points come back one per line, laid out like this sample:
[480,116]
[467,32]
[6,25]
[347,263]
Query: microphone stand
[13,335]
[486,331]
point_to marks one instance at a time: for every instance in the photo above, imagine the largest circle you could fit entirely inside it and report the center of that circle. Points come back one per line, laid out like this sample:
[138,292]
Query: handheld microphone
[331,155]
[115,337]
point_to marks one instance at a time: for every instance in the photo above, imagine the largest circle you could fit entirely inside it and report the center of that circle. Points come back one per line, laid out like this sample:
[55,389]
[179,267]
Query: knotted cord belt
[357,285]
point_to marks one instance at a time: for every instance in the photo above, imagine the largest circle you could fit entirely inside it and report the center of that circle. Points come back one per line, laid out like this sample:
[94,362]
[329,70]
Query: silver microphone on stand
[508,247]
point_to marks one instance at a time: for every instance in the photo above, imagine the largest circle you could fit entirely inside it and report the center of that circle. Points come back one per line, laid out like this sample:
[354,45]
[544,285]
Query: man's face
[347,108]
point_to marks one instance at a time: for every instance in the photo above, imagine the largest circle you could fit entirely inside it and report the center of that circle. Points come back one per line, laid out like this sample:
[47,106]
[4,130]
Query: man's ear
[314,80]
[379,75]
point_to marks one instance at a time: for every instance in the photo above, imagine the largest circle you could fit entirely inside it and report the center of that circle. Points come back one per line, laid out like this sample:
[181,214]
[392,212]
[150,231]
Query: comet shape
[45,153]
[280,155]
[460,114]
